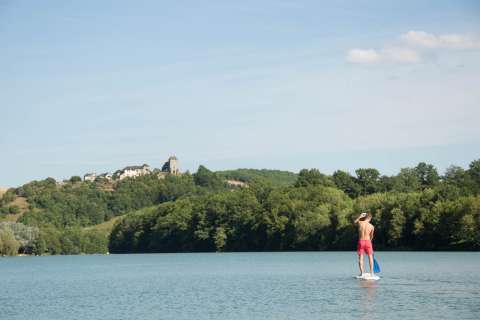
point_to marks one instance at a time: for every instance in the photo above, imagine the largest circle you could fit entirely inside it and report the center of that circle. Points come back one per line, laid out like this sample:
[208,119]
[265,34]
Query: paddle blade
[376,266]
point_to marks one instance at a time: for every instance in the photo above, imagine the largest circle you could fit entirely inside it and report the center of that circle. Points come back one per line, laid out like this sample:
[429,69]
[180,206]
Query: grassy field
[105,227]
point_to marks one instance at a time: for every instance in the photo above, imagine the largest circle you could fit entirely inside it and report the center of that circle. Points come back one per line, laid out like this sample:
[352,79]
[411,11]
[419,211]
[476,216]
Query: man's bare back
[365,230]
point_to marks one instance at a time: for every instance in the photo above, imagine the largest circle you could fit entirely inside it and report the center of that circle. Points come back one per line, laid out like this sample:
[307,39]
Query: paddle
[376,266]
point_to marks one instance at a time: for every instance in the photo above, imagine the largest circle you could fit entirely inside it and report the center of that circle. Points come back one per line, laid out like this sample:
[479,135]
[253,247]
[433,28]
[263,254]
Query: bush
[13,209]
[8,244]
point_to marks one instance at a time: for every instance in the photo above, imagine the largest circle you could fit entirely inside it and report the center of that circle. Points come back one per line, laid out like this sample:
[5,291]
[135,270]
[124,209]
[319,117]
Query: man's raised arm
[362,215]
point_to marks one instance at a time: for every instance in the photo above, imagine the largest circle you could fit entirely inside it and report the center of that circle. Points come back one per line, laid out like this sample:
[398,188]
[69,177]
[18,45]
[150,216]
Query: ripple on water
[308,285]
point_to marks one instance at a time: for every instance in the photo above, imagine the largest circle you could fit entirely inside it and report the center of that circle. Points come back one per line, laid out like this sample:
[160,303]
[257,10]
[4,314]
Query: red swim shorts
[364,246]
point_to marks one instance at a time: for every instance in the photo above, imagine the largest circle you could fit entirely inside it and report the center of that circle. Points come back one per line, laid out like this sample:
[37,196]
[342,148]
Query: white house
[106,175]
[90,177]
[132,172]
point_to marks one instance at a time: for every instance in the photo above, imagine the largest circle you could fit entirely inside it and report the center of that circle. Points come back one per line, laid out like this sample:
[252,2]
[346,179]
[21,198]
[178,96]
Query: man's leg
[360,262]
[370,261]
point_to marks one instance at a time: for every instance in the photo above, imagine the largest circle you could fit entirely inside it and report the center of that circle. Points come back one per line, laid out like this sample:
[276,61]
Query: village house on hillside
[106,175]
[169,167]
[90,177]
[132,172]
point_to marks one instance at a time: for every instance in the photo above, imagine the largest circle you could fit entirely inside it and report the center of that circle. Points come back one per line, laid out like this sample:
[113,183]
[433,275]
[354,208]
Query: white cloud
[447,41]
[421,38]
[390,54]
[409,50]
[363,56]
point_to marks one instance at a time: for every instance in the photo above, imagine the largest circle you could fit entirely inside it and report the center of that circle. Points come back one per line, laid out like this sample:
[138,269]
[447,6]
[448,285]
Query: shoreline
[240,252]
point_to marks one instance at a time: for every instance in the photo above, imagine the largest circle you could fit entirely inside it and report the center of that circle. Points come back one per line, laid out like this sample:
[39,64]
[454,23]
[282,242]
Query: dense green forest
[416,209]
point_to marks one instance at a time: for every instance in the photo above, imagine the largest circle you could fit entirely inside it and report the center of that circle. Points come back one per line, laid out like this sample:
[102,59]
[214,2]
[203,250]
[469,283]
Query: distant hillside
[279,210]
[2,191]
[276,177]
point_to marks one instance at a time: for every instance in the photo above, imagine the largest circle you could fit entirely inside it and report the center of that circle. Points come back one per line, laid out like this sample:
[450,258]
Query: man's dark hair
[368,216]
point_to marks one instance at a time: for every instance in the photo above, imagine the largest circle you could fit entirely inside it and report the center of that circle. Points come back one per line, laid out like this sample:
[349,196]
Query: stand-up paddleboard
[367,276]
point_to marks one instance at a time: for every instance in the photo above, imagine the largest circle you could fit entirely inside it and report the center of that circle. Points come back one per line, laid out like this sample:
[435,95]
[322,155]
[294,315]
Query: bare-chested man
[365,236]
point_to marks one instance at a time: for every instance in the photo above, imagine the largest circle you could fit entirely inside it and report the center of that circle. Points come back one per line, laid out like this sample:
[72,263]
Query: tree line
[415,209]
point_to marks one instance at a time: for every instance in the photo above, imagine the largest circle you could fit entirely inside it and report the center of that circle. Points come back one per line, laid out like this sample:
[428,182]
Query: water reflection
[368,297]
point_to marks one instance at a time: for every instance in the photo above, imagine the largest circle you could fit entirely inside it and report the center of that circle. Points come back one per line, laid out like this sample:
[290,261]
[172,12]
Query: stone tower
[171,166]
[174,168]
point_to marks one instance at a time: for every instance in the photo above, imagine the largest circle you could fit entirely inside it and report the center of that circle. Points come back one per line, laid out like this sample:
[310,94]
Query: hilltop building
[171,166]
[90,177]
[106,175]
[132,172]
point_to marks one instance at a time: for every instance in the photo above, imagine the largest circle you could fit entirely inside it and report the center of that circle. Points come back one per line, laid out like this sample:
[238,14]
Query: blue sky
[98,85]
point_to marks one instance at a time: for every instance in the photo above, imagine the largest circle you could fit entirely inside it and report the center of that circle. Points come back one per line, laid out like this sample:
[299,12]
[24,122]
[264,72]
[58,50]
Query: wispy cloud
[363,56]
[389,54]
[447,41]
[409,49]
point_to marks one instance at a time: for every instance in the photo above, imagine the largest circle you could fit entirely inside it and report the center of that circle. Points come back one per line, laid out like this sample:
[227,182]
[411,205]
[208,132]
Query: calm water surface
[298,285]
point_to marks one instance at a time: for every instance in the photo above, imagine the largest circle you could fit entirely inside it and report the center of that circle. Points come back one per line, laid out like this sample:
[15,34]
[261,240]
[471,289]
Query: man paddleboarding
[365,236]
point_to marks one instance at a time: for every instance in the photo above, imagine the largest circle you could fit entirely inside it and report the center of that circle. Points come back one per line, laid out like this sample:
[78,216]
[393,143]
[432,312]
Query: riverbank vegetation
[417,209]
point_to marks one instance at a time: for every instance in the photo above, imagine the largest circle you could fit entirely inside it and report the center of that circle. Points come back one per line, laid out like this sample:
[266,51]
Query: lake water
[297,285]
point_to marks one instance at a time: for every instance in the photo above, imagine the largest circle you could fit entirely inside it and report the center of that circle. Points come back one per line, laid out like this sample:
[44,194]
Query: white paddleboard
[367,276]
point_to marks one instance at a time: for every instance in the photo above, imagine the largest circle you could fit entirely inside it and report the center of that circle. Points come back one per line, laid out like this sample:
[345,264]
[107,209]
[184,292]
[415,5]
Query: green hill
[279,210]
